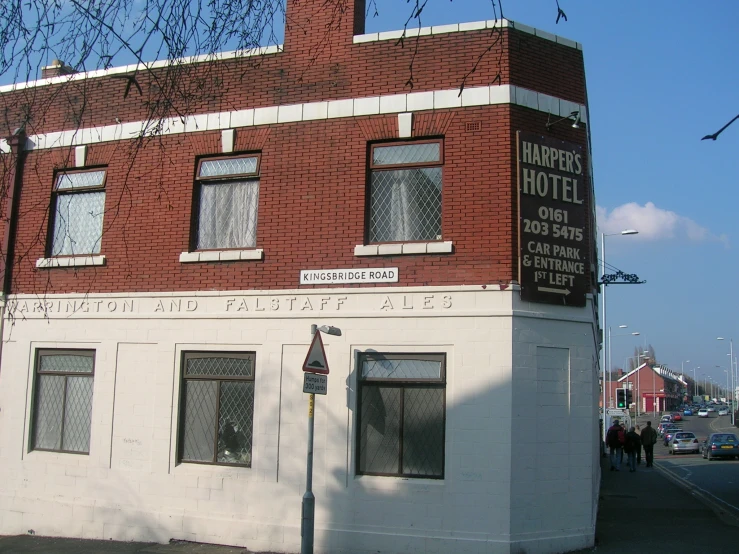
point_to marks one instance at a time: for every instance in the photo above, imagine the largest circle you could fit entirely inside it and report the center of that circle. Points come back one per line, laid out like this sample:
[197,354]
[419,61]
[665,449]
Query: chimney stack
[322,25]
[56,69]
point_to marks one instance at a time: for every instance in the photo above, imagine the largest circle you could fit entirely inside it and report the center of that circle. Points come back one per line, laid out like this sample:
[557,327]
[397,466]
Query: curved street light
[607,347]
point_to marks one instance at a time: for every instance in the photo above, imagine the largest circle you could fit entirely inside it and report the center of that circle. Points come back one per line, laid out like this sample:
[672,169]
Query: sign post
[314,382]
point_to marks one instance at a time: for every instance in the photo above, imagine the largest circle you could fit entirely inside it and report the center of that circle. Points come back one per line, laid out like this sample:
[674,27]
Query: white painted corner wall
[500,438]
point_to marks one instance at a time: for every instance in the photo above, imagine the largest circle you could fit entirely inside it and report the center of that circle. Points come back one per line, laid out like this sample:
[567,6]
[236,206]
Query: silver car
[684,441]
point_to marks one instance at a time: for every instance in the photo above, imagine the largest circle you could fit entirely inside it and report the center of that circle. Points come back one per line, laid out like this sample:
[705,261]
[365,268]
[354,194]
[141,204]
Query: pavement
[646,512]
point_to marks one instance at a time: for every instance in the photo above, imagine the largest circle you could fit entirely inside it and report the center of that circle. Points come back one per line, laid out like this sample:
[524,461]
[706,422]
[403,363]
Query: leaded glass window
[405,192]
[217,408]
[78,213]
[62,406]
[401,415]
[228,202]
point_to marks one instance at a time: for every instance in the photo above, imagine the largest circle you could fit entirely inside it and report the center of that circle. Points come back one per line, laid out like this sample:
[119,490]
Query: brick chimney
[56,69]
[322,27]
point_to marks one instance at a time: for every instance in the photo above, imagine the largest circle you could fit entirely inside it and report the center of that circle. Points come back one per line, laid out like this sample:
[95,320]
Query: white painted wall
[521,434]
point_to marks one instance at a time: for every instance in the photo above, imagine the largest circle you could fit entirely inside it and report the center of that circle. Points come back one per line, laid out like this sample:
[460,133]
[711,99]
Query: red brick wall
[311,208]
[290,77]
[312,199]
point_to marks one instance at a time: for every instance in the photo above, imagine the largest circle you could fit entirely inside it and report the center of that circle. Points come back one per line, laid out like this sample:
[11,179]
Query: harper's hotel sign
[553,233]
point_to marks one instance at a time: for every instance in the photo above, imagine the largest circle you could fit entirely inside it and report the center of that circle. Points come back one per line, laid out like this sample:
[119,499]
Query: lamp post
[733,377]
[634,334]
[727,383]
[695,385]
[603,310]
[654,392]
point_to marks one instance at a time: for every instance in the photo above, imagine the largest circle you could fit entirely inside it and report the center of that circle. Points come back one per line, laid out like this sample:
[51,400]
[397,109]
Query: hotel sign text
[554,236]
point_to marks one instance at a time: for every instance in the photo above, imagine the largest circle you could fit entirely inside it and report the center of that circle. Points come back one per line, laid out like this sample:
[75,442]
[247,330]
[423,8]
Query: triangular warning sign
[315,361]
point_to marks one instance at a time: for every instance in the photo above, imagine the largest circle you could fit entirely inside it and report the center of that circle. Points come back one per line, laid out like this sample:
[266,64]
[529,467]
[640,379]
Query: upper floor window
[62,402]
[228,195]
[78,212]
[405,191]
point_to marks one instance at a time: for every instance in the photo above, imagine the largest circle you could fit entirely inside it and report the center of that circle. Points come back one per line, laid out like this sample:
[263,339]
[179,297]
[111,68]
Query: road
[716,481]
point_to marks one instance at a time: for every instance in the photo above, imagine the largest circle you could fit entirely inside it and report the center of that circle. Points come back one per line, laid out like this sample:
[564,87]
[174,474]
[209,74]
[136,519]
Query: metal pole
[309,501]
[654,394]
[733,391]
[603,310]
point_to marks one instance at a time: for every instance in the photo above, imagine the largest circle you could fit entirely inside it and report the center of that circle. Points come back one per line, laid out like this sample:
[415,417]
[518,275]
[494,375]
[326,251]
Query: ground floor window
[401,414]
[217,408]
[62,402]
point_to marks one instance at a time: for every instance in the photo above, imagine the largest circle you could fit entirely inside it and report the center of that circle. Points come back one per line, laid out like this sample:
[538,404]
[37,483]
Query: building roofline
[275,49]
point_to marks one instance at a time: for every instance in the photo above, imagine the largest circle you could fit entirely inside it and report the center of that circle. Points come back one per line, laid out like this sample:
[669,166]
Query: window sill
[395,482]
[403,249]
[71,261]
[222,256]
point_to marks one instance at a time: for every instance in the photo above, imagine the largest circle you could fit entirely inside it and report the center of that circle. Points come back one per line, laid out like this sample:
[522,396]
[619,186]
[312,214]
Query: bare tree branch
[715,135]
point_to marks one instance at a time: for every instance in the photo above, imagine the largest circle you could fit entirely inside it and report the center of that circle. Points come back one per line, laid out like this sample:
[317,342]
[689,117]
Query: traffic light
[629,398]
[620,398]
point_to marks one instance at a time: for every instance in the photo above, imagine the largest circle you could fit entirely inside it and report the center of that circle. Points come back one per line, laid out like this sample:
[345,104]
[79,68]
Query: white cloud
[653,223]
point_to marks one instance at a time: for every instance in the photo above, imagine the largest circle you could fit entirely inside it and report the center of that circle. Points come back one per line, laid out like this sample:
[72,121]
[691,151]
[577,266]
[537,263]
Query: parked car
[677,416]
[667,427]
[669,433]
[723,411]
[703,412]
[687,411]
[720,445]
[684,441]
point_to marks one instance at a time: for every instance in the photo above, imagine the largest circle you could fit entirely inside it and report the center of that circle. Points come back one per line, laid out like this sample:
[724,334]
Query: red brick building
[655,388]
[164,276]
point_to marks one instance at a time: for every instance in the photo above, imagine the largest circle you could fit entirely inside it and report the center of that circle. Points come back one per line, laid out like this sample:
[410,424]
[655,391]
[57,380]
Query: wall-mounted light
[574,117]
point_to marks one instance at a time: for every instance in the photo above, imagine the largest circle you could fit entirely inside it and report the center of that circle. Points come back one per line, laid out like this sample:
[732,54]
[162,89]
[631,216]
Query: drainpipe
[14,178]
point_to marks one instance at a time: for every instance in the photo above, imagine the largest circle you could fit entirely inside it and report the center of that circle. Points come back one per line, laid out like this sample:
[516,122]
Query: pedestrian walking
[631,444]
[638,452]
[648,440]
[615,439]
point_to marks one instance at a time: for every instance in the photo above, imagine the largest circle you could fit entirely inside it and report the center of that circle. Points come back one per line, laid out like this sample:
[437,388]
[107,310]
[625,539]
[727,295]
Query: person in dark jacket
[648,440]
[633,442]
[615,445]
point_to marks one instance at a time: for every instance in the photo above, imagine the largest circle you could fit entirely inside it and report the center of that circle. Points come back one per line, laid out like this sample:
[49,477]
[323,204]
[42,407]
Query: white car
[684,442]
[723,411]
[703,412]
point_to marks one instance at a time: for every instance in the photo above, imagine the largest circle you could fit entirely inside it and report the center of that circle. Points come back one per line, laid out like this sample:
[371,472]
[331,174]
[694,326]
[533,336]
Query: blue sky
[661,75]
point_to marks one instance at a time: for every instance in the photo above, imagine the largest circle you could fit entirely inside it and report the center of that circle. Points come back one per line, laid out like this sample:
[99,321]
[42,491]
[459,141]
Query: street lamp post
[654,393]
[727,384]
[606,345]
[733,377]
[695,385]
